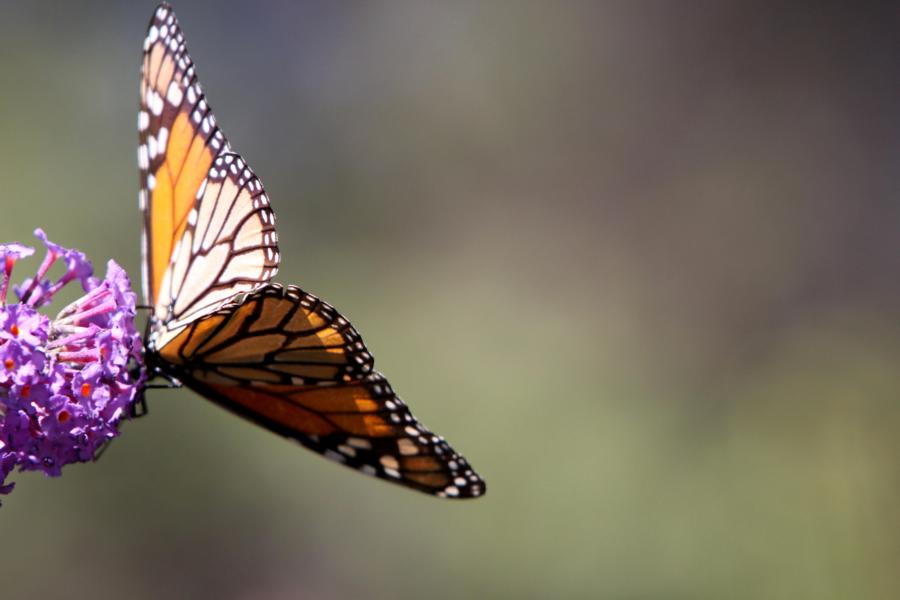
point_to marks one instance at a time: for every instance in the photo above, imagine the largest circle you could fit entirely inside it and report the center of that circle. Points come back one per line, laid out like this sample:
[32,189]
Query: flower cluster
[64,383]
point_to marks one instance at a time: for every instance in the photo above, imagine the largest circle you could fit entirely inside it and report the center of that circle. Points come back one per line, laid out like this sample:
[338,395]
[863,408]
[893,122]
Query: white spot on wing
[155,102]
[389,462]
[162,140]
[202,189]
[332,455]
[407,447]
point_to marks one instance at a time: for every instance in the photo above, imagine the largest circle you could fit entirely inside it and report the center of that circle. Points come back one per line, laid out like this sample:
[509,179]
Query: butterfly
[274,354]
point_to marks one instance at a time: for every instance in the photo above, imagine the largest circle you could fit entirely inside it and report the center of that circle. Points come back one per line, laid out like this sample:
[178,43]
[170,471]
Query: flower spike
[66,383]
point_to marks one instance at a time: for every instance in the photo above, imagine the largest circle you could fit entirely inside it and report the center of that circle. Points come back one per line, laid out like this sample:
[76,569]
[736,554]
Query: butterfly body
[277,355]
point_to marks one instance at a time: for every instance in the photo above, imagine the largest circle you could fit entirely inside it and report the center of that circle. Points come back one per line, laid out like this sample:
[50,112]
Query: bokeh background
[639,261]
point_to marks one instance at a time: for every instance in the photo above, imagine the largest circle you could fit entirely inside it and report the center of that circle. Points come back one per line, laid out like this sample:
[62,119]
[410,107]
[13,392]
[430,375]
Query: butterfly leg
[139,408]
[102,450]
[171,382]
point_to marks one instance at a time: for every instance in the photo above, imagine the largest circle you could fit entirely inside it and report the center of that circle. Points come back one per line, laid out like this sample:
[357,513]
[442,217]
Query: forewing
[229,245]
[200,202]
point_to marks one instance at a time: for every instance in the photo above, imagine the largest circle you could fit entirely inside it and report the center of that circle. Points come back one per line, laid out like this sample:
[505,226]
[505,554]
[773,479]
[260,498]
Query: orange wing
[290,362]
[274,335]
[278,356]
[205,214]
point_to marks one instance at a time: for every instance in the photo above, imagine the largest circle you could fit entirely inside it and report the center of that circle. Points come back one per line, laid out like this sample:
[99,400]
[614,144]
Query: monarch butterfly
[275,354]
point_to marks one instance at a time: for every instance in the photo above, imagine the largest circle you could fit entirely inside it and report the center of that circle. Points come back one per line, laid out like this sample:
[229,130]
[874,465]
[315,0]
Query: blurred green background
[639,261]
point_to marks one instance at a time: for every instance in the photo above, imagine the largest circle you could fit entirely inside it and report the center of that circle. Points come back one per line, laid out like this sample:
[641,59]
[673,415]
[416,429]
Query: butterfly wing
[206,217]
[288,361]
[276,355]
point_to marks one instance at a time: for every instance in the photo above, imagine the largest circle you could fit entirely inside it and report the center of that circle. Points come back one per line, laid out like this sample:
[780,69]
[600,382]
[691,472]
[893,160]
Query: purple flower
[9,254]
[64,383]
